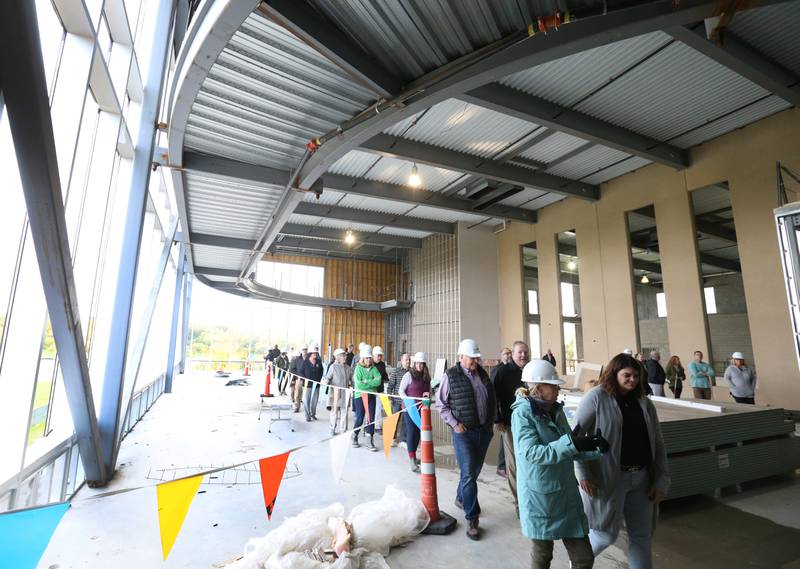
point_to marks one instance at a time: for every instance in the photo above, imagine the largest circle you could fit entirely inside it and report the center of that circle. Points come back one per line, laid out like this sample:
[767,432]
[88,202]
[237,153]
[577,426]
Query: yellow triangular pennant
[387,405]
[174,499]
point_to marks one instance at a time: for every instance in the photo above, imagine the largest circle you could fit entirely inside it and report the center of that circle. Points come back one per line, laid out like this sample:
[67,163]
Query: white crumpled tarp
[377,526]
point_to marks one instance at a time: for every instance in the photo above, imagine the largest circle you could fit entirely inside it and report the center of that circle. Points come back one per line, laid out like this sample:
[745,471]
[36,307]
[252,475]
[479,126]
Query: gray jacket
[742,381]
[340,375]
[600,410]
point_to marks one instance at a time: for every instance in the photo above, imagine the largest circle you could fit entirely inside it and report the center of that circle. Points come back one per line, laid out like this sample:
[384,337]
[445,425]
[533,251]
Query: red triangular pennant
[365,401]
[272,469]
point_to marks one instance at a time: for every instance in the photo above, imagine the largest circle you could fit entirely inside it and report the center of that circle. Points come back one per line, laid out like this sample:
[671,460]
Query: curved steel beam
[493,63]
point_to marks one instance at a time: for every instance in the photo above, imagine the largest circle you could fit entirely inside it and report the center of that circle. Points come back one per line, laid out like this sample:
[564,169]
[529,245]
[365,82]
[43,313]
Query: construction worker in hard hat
[357,355]
[466,402]
[741,379]
[312,370]
[366,379]
[281,367]
[296,385]
[379,362]
[340,377]
[550,506]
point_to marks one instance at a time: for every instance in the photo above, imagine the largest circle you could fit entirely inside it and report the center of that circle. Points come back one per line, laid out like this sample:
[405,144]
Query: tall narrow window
[530,269]
[572,326]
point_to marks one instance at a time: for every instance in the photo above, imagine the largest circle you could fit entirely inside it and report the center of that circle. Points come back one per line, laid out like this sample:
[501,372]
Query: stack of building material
[712,445]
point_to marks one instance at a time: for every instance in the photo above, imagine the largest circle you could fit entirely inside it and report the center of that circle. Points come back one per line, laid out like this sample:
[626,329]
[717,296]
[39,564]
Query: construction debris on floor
[327,539]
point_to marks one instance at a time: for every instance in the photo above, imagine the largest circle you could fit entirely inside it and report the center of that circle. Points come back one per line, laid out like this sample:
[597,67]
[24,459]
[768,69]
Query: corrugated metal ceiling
[772,30]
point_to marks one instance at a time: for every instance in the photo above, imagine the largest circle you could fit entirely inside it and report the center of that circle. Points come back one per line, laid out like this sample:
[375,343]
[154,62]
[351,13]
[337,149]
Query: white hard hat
[377,351]
[540,371]
[313,348]
[419,358]
[361,346]
[338,352]
[627,351]
[737,356]
[366,351]
[469,348]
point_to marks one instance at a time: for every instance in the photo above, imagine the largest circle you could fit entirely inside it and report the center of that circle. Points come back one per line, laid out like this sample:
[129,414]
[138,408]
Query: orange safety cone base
[444,525]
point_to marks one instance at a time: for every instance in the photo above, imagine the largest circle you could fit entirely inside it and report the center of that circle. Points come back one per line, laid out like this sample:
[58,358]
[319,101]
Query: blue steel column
[25,93]
[173,333]
[187,306]
[113,381]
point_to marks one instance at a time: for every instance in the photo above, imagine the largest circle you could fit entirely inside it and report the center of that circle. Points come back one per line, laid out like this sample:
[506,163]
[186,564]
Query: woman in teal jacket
[550,505]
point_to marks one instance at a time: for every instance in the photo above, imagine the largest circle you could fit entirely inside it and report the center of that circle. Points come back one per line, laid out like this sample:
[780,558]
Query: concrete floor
[206,424]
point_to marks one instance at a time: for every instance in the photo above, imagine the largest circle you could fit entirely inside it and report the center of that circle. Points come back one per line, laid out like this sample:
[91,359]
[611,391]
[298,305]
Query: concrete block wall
[746,160]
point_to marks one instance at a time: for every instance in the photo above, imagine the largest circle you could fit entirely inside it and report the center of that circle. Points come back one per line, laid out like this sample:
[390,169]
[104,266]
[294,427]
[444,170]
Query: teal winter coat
[550,505]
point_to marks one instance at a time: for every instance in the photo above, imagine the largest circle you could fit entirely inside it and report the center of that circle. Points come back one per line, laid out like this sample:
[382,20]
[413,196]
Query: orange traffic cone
[247,366]
[441,522]
[268,380]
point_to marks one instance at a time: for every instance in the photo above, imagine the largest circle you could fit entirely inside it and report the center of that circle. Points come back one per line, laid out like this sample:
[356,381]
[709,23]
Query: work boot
[473,531]
[371,446]
[414,465]
[356,444]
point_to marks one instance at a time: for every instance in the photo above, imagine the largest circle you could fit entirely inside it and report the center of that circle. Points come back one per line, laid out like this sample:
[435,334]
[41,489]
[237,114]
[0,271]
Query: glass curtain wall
[569,270]
[94,83]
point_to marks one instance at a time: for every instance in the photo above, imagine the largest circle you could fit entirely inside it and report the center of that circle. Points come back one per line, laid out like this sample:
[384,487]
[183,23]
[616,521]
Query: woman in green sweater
[366,379]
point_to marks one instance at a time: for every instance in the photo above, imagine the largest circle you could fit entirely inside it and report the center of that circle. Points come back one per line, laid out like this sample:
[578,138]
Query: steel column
[173,333]
[115,372]
[187,306]
[32,132]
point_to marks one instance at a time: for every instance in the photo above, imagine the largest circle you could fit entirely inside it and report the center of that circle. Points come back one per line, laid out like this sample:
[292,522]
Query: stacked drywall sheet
[713,445]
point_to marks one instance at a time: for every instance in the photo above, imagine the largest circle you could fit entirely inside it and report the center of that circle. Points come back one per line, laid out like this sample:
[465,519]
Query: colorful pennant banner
[413,411]
[174,499]
[272,470]
[389,427]
[24,535]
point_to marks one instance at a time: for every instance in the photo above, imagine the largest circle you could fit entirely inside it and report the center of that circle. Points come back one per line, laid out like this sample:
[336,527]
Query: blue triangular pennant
[24,535]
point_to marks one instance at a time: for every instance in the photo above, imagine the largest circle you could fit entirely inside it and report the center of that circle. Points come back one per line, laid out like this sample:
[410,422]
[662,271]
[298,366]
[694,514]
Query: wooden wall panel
[351,279]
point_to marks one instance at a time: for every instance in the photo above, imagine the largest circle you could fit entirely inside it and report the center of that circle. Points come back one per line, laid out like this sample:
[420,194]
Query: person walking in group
[741,379]
[549,357]
[339,376]
[282,363]
[675,375]
[357,356]
[505,357]
[630,480]
[550,505]
[639,357]
[506,382]
[466,402]
[350,354]
[366,379]
[296,385]
[312,369]
[702,377]
[380,365]
[416,383]
[393,388]
[655,373]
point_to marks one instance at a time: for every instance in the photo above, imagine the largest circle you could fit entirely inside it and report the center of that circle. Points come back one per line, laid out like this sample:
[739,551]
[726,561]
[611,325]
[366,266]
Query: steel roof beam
[216,272]
[326,246]
[401,221]
[322,35]
[496,61]
[387,145]
[222,241]
[378,239]
[318,254]
[395,192]
[512,102]
[740,57]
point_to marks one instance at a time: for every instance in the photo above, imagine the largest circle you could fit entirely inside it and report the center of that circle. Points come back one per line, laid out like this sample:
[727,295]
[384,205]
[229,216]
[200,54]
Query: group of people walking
[741,379]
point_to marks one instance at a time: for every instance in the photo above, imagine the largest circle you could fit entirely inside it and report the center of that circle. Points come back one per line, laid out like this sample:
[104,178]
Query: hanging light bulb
[644,280]
[414,180]
[349,238]
[572,265]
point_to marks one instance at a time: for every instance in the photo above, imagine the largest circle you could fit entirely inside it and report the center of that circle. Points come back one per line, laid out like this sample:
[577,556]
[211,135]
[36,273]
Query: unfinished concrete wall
[746,160]
[479,303]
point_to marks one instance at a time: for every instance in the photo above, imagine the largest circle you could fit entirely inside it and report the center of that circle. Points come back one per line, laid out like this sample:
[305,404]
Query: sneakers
[473,531]
[356,444]
[413,464]
[394,443]
[371,444]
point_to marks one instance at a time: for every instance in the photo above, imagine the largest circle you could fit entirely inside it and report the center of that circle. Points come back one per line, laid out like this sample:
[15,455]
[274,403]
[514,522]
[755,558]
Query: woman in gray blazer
[629,481]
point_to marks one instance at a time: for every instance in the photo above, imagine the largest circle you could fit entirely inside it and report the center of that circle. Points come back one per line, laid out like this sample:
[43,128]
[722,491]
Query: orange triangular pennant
[389,427]
[272,469]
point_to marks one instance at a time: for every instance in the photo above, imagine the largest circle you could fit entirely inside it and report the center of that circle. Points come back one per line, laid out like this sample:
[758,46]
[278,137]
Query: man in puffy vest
[466,402]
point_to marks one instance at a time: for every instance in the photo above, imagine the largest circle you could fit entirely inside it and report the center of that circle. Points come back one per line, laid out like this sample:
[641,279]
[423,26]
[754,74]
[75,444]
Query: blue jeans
[470,447]
[358,406]
[312,398]
[412,434]
[636,509]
